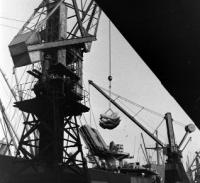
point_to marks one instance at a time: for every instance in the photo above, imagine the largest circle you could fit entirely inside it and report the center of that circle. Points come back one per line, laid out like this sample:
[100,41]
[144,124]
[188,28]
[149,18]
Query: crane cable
[110,65]
[181,124]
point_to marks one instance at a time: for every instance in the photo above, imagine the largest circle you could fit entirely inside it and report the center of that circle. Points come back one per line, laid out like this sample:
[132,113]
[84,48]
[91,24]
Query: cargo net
[109,120]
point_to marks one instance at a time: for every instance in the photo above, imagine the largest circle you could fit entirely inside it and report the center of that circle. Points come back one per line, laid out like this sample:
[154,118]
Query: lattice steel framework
[60,31]
[71,148]
[80,20]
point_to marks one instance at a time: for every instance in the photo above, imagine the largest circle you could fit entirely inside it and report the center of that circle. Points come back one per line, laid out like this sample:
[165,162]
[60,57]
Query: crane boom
[126,113]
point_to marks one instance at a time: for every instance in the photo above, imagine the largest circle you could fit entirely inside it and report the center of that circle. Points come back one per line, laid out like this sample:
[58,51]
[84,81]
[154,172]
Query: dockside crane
[174,170]
[56,36]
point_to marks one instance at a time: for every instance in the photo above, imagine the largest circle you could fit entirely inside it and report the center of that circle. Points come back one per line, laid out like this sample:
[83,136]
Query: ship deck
[16,170]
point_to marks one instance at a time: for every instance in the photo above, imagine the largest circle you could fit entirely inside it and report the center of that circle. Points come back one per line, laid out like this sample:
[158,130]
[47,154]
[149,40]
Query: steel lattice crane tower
[56,35]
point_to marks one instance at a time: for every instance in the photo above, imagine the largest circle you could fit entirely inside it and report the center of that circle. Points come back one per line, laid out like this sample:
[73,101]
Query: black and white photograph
[99,91]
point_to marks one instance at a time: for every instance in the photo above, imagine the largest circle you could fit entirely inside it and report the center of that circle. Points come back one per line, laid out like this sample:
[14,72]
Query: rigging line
[138,112]
[22,91]
[140,106]
[12,19]
[96,126]
[85,119]
[134,145]
[127,107]
[134,103]
[94,120]
[141,119]
[152,155]
[9,103]
[4,90]
[144,121]
[22,74]
[159,125]
[91,110]
[80,121]
[138,153]
[28,93]
[11,97]
[179,123]
[12,80]
[6,137]
[14,113]
[135,113]
[6,81]
[4,130]
[16,121]
[8,26]
[19,121]
[25,84]
[10,100]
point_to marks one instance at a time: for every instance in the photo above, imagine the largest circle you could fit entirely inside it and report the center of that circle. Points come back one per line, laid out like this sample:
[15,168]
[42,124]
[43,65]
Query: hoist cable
[110,64]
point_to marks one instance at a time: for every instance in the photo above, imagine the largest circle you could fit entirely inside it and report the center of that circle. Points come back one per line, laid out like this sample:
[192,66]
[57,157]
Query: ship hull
[16,170]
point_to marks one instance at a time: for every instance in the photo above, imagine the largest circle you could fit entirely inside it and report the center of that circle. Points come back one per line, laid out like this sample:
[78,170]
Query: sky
[131,79]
